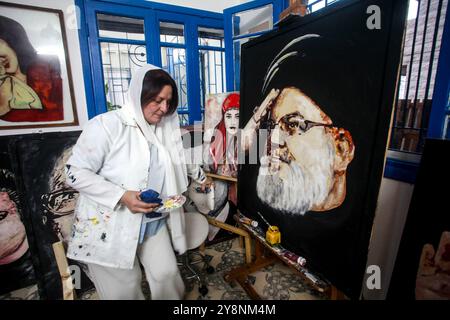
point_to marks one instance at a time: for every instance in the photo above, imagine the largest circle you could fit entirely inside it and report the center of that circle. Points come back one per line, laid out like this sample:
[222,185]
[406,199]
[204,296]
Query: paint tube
[311,277]
[248,221]
[294,258]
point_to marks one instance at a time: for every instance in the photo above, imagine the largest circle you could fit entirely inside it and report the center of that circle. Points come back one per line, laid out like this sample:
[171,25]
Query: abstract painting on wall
[48,203]
[323,86]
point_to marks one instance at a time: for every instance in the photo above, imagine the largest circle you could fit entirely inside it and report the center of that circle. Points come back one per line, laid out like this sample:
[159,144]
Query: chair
[196,233]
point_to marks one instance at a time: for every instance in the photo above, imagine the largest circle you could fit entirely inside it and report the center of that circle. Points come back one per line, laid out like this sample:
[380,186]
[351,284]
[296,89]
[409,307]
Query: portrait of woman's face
[8,58]
[59,204]
[13,241]
[231,119]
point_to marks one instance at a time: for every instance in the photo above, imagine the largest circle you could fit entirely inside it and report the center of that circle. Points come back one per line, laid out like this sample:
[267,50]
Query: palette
[171,203]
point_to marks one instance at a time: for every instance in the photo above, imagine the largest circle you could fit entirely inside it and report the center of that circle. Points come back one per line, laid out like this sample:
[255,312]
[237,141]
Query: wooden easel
[266,255]
[63,267]
[239,231]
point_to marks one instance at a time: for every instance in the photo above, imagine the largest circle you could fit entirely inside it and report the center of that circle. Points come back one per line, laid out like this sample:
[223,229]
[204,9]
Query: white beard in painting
[295,186]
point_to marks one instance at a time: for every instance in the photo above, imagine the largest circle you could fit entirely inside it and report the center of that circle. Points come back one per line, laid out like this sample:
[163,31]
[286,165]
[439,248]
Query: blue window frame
[181,59]
[235,37]
[211,46]
[173,42]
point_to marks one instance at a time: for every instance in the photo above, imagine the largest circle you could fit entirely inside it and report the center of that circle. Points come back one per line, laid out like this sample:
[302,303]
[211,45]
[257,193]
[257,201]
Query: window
[419,61]
[319,4]
[211,62]
[246,25]
[244,22]
[121,37]
[120,27]
[122,46]
[173,60]
[420,56]
[171,32]
[253,21]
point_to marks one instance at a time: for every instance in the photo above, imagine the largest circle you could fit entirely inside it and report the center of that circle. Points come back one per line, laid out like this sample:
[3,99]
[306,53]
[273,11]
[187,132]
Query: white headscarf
[167,137]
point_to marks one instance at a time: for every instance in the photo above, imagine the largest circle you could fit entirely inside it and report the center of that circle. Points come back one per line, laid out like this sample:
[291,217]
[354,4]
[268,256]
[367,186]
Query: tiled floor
[273,282]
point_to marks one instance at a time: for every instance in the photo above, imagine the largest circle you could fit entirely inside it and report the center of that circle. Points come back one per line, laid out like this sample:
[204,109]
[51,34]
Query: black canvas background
[34,158]
[350,72]
[427,217]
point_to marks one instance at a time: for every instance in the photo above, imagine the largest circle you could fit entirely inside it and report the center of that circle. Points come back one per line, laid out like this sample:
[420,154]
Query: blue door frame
[191,24]
[151,13]
[278,6]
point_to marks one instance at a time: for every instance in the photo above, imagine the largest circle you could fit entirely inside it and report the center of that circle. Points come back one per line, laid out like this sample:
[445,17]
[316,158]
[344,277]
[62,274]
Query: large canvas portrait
[323,87]
[422,266]
[48,203]
[35,76]
[16,268]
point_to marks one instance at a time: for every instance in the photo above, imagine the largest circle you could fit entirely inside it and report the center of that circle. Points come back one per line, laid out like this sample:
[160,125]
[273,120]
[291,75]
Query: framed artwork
[422,266]
[48,203]
[16,268]
[36,87]
[323,86]
[221,131]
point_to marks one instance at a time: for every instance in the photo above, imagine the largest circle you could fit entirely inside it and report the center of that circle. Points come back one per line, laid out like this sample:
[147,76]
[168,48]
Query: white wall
[209,5]
[75,60]
[390,217]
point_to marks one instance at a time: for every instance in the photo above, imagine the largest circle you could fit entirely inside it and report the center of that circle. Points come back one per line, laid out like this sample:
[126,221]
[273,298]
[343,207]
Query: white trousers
[158,258]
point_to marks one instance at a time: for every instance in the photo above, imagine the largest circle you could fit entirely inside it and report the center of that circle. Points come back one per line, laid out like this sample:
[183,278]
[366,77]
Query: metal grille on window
[119,62]
[418,72]
[173,59]
[119,58]
[212,63]
[419,64]
[184,119]
[174,62]
[212,72]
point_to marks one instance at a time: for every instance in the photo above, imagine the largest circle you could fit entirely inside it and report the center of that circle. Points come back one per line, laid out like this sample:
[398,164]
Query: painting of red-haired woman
[222,151]
[220,138]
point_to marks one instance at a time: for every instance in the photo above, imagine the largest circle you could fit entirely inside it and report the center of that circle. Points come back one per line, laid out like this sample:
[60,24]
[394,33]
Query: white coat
[110,157]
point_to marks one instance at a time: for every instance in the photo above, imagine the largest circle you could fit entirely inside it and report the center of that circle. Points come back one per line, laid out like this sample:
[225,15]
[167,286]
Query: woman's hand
[133,202]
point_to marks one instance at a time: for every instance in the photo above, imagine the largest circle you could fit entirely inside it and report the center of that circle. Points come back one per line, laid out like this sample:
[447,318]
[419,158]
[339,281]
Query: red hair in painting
[219,141]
